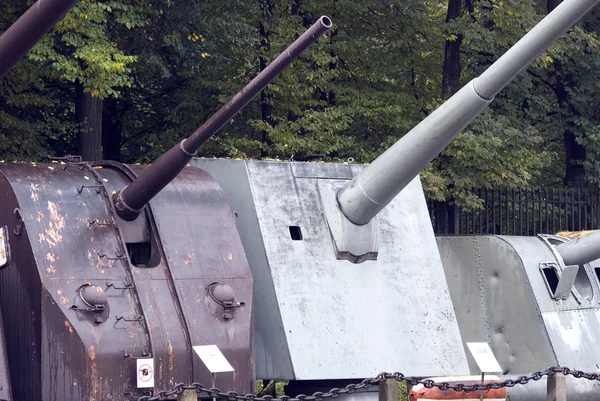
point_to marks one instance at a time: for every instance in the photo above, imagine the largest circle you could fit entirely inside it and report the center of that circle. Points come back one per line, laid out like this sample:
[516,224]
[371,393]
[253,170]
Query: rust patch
[59,292]
[50,257]
[64,300]
[68,325]
[189,259]
[39,217]
[51,269]
[229,256]
[170,353]
[92,352]
[103,263]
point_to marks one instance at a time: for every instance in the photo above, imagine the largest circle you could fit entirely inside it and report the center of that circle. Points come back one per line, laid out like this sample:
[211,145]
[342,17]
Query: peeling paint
[189,259]
[50,257]
[68,325]
[92,352]
[170,353]
[57,223]
[229,256]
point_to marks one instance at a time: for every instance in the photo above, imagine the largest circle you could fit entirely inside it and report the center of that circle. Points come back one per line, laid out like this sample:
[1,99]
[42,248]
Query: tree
[83,50]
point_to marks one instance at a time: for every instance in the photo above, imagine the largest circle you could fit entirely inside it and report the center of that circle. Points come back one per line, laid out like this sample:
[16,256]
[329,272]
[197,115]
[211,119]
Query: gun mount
[370,191]
[87,294]
[301,223]
[130,200]
[581,250]
[37,21]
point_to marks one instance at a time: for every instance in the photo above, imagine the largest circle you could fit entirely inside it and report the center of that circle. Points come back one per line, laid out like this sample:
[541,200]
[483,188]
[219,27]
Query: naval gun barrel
[371,190]
[581,250]
[130,200]
[29,29]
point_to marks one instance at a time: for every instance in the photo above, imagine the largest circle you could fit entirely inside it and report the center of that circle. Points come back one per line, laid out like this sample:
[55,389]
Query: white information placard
[145,372]
[213,358]
[484,357]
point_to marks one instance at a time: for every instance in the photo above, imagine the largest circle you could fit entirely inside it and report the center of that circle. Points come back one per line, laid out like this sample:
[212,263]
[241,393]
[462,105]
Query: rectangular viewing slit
[143,254]
[296,233]
[551,278]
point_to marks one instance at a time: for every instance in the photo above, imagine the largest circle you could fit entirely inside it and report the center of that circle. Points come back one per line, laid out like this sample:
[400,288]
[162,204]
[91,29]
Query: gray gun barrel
[130,200]
[29,29]
[371,190]
[580,250]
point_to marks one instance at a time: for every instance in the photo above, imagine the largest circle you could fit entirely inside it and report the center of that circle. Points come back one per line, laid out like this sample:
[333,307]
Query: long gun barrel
[371,190]
[29,29]
[580,250]
[131,200]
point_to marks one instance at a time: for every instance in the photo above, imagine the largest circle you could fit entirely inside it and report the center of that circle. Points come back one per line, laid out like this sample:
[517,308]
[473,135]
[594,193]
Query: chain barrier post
[557,387]
[388,390]
[388,387]
[187,395]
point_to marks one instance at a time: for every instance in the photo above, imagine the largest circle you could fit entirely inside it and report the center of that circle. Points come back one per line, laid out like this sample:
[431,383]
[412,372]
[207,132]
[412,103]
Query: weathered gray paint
[526,328]
[493,301]
[352,242]
[532,252]
[575,336]
[391,314]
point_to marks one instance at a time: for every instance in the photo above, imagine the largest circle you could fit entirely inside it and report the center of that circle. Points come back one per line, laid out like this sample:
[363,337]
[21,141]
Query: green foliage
[360,88]
[83,47]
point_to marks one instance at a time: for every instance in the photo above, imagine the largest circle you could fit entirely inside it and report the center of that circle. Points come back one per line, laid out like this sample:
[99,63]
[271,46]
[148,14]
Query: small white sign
[484,358]
[145,373]
[213,358]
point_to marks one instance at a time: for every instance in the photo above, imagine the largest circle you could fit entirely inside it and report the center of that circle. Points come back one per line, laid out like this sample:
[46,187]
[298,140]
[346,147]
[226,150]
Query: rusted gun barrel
[371,190]
[580,250]
[29,29]
[130,201]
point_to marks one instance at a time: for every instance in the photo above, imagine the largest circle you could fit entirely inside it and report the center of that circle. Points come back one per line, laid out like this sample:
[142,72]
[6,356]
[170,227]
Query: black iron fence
[524,211]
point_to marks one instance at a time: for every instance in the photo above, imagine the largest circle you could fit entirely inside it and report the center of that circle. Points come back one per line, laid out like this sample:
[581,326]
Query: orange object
[422,393]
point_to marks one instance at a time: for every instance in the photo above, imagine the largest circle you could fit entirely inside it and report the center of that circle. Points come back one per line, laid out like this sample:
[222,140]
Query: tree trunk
[112,131]
[451,70]
[574,152]
[88,114]
[265,106]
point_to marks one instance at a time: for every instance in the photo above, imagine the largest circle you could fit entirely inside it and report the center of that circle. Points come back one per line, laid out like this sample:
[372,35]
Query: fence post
[187,395]
[388,390]
[557,387]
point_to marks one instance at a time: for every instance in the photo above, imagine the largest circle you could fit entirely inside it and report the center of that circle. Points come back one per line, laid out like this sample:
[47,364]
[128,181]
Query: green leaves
[360,88]
[84,45]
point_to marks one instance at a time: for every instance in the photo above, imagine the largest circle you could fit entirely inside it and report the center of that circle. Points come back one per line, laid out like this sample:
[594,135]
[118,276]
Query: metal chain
[351,388]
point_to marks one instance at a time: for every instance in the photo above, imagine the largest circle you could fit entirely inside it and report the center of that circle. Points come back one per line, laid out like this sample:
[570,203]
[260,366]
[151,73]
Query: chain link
[351,388]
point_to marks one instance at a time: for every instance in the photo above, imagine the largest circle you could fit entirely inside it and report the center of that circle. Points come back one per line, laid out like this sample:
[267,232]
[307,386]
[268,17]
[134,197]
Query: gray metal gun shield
[320,317]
